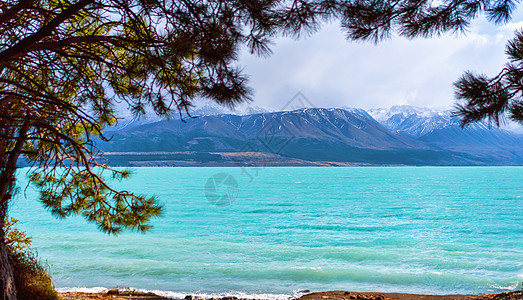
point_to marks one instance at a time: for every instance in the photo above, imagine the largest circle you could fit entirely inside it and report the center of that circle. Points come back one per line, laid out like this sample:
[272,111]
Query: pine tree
[482,97]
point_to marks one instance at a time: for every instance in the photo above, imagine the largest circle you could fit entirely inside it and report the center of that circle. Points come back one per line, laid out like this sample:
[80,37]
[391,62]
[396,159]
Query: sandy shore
[126,295]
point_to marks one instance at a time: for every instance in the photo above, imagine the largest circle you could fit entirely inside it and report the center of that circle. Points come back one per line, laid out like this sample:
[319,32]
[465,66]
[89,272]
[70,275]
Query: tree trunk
[7,180]
[7,280]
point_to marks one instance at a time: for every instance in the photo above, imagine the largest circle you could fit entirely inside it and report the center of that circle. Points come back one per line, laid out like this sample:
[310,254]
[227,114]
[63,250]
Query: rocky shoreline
[332,295]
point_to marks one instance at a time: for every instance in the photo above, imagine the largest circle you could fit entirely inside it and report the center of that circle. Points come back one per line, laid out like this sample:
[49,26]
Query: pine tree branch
[12,12]
[22,46]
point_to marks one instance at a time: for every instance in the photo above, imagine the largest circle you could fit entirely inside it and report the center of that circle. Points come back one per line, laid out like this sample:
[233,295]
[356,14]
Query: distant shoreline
[244,160]
[248,160]
[331,295]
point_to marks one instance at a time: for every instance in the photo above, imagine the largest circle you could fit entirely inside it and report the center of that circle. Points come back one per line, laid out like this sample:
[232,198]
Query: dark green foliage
[78,192]
[375,20]
[493,98]
[31,278]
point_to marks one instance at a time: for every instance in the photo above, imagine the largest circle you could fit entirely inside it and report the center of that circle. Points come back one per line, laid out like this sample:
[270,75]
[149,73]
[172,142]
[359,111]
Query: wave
[269,211]
[182,295]
[308,227]
[505,288]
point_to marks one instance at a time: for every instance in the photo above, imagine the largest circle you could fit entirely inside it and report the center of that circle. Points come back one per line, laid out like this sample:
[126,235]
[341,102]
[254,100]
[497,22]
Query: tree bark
[7,280]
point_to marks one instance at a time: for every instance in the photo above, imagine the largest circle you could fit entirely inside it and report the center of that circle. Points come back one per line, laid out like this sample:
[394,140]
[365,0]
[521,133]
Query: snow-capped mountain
[213,109]
[441,129]
[358,111]
[420,122]
[397,135]
[201,108]
[128,122]
[415,121]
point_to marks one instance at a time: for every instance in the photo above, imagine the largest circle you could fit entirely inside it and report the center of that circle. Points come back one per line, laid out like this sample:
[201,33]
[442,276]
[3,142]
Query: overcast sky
[333,72]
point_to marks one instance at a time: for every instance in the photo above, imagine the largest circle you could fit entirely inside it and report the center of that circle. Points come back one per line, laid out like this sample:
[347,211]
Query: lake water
[272,232]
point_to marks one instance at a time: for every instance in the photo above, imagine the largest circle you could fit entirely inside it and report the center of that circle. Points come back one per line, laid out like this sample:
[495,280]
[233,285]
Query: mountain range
[400,135]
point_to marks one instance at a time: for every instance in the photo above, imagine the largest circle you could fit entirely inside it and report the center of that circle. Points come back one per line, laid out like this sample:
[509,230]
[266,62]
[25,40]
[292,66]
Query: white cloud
[332,71]
[512,26]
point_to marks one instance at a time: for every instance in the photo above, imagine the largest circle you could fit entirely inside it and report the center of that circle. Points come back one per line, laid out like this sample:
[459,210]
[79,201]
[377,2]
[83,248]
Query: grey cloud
[334,72]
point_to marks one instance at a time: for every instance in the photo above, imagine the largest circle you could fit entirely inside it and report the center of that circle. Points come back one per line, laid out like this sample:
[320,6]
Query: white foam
[511,287]
[97,289]
[178,295]
[307,268]
[182,295]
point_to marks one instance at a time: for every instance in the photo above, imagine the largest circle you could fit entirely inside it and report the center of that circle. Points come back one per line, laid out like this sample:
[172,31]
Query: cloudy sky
[333,72]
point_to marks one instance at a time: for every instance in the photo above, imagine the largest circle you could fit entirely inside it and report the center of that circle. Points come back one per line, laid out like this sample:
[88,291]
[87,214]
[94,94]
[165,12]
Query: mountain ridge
[403,136]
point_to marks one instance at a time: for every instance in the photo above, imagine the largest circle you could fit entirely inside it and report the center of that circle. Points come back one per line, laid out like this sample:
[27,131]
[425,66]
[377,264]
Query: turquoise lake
[437,230]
